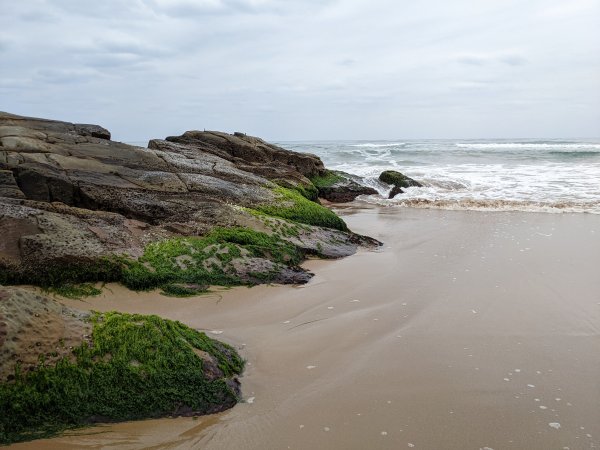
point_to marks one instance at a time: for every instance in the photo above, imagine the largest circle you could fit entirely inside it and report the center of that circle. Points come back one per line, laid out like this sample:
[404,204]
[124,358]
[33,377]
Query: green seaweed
[206,260]
[183,290]
[291,205]
[395,178]
[169,264]
[136,367]
[326,180]
[74,291]
[60,273]
[309,191]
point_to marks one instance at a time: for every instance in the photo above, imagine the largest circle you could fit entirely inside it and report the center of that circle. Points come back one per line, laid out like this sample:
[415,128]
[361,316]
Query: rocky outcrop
[251,154]
[60,367]
[188,212]
[398,181]
[71,199]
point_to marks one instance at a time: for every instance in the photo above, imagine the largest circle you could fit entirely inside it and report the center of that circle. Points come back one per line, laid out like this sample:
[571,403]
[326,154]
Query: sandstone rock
[251,154]
[8,185]
[70,197]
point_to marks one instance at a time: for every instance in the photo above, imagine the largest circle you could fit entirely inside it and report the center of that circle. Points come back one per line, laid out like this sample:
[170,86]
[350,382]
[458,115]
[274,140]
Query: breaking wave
[487,205]
[495,175]
[565,146]
[383,145]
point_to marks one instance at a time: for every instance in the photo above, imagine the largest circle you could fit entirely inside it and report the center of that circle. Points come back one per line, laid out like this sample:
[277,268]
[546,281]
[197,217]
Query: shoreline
[455,303]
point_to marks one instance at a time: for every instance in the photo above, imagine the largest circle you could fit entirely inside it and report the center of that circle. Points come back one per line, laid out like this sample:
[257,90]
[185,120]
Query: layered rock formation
[201,209]
[70,198]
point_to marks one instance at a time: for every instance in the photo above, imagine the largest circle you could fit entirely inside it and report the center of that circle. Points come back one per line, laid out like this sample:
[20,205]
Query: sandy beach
[467,330]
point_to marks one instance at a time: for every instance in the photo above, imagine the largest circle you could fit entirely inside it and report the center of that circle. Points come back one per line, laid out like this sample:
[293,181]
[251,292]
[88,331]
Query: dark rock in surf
[395,191]
[340,187]
[398,181]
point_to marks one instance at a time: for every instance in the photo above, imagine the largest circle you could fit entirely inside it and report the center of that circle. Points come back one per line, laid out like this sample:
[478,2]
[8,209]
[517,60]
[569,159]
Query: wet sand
[467,330]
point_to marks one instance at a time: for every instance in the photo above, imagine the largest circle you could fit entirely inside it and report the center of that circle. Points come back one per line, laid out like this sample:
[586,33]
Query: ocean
[553,175]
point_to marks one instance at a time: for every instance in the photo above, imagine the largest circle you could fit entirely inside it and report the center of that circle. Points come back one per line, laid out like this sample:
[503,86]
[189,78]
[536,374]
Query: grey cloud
[189,8]
[101,10]
[65,76]
[38,16]
[347,62]
[485,60]
[115,52]
[108,60]
[193,8]
[128,47]
[302,69]
[513,60]
[472,60]
[14,83]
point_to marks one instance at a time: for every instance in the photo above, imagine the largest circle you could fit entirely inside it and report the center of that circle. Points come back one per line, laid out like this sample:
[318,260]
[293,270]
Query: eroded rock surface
[69,196]
[34,328]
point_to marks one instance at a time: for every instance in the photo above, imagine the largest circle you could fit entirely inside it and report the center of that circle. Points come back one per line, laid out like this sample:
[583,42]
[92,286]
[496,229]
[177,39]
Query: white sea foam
[554,176]
[382,145]
[528,146]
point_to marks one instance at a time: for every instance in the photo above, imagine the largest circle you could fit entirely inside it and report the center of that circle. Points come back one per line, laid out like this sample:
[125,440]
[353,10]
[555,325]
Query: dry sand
[467,330]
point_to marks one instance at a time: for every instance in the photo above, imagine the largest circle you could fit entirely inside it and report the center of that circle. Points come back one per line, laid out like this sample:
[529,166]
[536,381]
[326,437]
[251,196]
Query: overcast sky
[306,69]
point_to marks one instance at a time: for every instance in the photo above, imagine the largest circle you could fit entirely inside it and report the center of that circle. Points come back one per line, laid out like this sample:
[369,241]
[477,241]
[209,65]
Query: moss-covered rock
[130,367]
[293,206]
[224,257]
[340,187]
[398,181]
[328,179]
[180,266]
[87,212]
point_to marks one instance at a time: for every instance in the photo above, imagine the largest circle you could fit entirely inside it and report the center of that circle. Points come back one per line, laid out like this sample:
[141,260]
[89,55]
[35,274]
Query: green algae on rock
[224,257]
[295,207]
[340,187]
[76,207]
[328,179]
[129,367]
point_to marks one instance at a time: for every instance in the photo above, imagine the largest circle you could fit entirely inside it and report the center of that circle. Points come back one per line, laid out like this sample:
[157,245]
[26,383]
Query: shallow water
[467,330]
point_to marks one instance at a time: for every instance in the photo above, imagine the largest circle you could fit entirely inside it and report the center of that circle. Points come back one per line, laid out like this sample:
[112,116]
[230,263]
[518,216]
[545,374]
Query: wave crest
[372,145]
[488,205]
[529,146]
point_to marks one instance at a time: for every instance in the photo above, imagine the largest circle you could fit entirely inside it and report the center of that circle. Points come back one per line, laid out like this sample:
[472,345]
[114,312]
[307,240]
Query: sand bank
[467,330]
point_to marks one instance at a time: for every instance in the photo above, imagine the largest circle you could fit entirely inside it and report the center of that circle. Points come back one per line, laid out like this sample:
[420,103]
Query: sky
[306,69]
